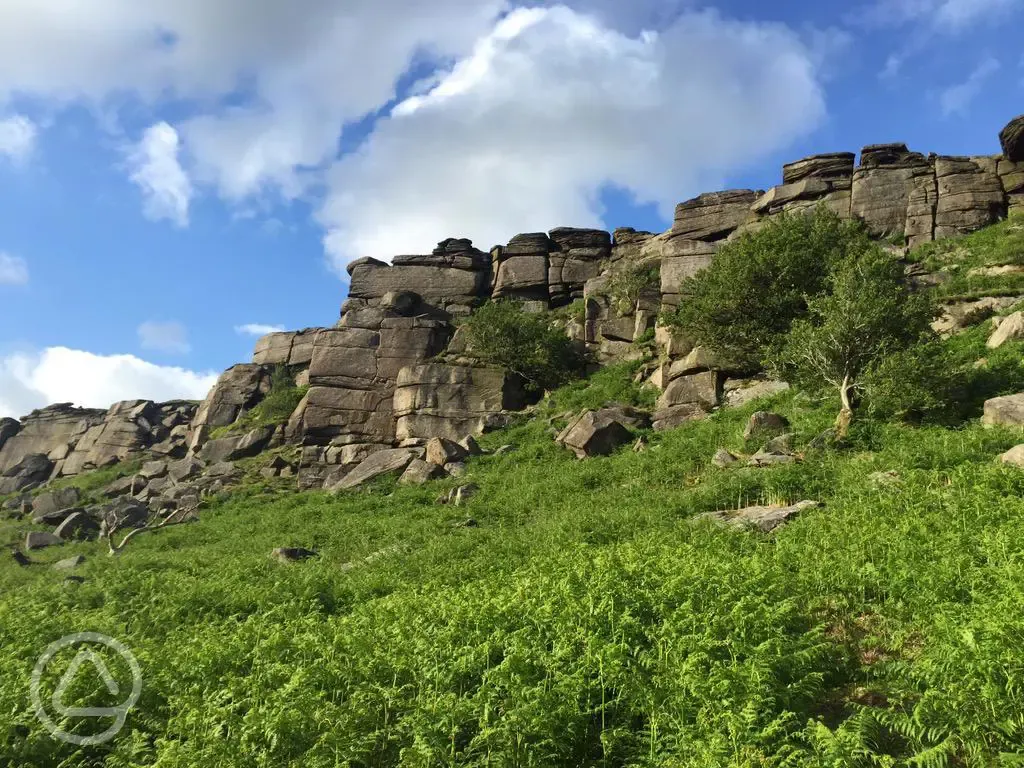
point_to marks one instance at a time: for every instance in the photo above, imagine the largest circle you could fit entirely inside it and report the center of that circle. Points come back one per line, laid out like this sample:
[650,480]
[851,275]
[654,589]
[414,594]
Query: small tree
[529,344]
[869,314]
[758,284]
[627,284]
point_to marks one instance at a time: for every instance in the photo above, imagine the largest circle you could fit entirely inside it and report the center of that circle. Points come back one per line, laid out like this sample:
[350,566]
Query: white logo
[86,655]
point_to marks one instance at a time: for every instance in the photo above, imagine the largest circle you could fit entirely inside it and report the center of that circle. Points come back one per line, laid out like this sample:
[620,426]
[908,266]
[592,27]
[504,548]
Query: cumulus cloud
[524,132]
[957,98]
[257,329]
[165,186]
[13,270]
[171,337]
[59,374]
[17,137]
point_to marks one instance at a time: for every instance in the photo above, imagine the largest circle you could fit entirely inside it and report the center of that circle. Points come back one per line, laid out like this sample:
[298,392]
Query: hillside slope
[574,612]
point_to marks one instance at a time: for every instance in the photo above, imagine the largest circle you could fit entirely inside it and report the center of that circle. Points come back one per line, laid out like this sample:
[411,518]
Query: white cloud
[13,270]
[17,137]
[523,133]
[957,98]
[59,374]
[171,337]
[257,329]
[949,16]
[155,169]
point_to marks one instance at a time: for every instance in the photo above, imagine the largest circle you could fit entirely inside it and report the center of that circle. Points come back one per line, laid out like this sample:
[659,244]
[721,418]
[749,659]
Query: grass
[998,245]
[585,621]
[276,408]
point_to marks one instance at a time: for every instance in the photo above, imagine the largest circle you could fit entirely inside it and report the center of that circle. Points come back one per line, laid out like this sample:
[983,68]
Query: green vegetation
[966,262]
[865,315]
[532,345]
[745,303]
[585,621]
[276,408]
[627,283]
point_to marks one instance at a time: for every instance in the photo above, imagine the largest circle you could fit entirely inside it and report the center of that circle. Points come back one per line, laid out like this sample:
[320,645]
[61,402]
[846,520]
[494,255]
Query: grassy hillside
[585,619]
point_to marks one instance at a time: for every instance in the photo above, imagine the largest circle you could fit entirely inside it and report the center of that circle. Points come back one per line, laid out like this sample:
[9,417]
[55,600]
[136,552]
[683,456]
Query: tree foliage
[627,284]
[532,345]
[866,316]
[757,285]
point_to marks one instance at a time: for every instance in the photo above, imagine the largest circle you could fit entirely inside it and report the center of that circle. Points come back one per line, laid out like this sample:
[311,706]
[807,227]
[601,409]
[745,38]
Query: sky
[178,177]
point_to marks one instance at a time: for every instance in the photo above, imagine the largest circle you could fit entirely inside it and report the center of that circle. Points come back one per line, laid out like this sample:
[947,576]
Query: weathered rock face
[130,429]
[970,195]
[1011,139]
[294,349]
[452,401]
[27,474]
[713,216]
[238,389]
[454,278]
[882,186]
[48,430]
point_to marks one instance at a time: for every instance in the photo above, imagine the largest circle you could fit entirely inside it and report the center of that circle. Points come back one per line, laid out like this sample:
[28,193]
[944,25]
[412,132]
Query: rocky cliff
[391,372]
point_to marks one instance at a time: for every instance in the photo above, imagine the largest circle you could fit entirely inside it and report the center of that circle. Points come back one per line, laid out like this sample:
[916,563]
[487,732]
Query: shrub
[627,284]
[867,316]
[757,285]
[531,345]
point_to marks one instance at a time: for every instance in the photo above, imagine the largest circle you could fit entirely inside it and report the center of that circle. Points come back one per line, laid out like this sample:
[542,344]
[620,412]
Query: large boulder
[55,501]
[31,471]
[522,267]
[238,389]
[1007,411]
[1010,328]
[1011,139]
[233,448]
[704,389]
[382,463]
[762,424]
[421,472]
[78,526]
[8,429]
[595,433]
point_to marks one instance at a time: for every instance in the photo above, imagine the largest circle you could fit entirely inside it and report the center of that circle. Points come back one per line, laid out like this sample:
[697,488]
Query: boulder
[1010,328]
[421,472]
[723,459]
[739,392]
[291,348]
[767,458]
[441,451]
[1011,139]
[1014,457]
[765,424]
[764,519]
[41,540]
[31,471]
[55,517]
[54,501]
[675,416]
[783,444]
[234,448]
[129,485]
[470,446]
[152,470]
[1007,411]
[523,267]
[594,433]
[125,513]
[78,526]
[704,389]
[185,469]
[386,462]
[68,563]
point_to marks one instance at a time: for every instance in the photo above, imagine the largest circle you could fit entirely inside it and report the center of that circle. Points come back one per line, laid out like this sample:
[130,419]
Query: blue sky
[176,170]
